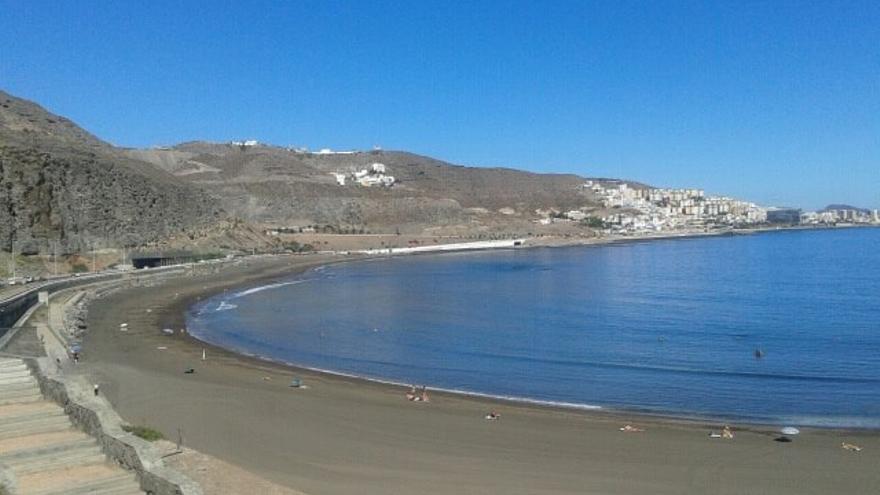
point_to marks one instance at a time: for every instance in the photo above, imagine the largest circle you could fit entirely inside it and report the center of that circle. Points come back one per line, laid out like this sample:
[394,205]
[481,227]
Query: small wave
[854,422]
[224,306]
[385,381]
[261,288]
[818,421]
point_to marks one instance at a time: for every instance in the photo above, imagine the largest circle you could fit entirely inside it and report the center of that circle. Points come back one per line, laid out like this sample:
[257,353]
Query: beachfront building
[788,216]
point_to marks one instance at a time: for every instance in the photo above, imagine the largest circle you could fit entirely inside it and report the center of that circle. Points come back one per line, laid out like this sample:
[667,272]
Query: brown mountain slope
[26,124]
[60,183]
[277,186]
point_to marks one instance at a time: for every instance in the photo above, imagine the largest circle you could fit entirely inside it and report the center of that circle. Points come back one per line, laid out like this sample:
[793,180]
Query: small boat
[759,353]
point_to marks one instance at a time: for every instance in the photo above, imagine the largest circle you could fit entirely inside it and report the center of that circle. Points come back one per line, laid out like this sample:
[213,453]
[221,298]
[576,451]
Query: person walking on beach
[96,389]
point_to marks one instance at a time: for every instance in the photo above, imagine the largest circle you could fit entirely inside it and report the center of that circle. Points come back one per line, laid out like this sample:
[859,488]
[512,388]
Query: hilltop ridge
[58,182]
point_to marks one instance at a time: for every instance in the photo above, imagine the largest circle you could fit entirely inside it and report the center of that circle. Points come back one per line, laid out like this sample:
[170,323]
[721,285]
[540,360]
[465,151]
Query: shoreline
[349,435]
[634,411]
[624,239]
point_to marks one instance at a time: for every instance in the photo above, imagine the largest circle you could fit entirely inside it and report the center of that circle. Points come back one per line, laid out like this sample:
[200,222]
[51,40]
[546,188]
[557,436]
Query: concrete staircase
[43,450]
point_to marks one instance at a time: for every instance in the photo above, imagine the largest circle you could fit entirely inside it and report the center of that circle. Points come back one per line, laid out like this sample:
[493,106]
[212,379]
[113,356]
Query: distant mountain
[845,207]
[59,182]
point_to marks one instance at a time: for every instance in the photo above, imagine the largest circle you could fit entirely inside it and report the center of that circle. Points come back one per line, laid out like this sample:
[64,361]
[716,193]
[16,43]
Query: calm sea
[667,327]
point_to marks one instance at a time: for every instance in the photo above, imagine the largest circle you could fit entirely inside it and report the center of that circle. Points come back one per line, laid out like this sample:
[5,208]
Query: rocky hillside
[60,183]
[277,186]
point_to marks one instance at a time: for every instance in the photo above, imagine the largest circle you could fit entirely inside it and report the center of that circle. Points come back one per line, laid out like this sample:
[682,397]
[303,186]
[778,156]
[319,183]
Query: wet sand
[347,436]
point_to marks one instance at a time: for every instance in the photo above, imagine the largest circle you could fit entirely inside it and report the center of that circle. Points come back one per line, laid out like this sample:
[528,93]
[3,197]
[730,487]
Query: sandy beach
[348,436]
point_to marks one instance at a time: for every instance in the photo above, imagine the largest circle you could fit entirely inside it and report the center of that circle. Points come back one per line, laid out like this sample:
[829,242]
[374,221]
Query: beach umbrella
[789,430]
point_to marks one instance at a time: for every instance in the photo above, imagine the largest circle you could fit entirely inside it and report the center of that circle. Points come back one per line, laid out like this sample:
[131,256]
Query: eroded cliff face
[60,184]
[84,200]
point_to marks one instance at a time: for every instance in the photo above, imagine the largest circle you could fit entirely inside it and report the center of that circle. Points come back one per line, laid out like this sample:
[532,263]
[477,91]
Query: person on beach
[631,429]
[97,387]
[422,396]
[726,432]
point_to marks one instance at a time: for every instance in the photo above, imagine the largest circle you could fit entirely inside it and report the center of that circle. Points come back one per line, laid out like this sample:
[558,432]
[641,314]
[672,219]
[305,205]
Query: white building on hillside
[375,175]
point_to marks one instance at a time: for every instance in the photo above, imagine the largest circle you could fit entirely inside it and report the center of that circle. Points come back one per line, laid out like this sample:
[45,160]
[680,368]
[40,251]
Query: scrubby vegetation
[145,432]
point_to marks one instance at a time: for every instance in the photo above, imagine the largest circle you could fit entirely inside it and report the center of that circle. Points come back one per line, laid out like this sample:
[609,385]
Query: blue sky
[778,102]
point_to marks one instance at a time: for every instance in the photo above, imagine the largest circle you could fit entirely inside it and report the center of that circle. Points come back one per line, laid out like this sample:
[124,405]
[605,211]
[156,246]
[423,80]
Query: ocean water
[667,327]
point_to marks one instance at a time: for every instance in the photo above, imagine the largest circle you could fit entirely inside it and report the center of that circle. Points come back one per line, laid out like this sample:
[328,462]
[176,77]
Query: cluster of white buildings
[323,151]
[656,210]
[841,216]
[328,151]
[375,175]
[249,143]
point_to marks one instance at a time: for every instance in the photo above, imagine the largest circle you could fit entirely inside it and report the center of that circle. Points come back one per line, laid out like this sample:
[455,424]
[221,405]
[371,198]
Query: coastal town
[645,210]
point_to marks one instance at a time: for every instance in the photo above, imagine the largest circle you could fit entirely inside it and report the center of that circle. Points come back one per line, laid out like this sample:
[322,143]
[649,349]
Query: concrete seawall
[96,417]
[93,415]
[461,246]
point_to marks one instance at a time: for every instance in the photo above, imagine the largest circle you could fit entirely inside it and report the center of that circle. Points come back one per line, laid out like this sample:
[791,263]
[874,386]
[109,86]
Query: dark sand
[345,436]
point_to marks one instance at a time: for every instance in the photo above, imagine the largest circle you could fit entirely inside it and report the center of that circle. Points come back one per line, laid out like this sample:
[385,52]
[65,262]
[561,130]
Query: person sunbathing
[631,429]
[726,432]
